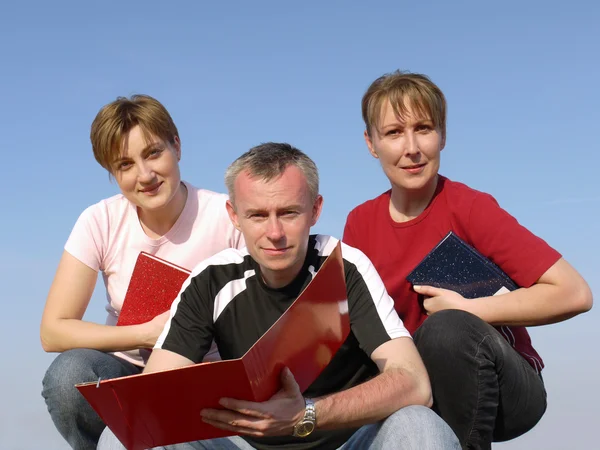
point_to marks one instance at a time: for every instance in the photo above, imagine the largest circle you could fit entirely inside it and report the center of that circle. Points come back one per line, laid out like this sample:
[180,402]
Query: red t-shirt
[397,248]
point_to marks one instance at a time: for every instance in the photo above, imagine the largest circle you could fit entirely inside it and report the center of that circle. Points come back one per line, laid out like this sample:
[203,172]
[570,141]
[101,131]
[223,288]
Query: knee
[67,369]
[449,329]
[422,427]
[108,441]
[412,416]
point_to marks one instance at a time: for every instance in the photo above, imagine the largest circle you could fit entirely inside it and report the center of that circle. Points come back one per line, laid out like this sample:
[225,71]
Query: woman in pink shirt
[138,143]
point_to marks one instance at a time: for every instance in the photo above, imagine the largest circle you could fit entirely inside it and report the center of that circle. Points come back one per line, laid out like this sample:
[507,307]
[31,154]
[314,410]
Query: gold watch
[308,423]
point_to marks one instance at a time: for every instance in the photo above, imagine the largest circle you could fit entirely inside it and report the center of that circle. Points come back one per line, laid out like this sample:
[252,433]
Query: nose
[145,173]
[411,146]
[275,230]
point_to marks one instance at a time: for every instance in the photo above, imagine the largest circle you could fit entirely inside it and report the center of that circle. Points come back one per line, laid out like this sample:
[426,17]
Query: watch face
[305,428]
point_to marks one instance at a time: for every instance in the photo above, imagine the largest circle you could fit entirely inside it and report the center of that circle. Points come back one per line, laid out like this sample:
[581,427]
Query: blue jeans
[72,415]
[410,428]
[482,387]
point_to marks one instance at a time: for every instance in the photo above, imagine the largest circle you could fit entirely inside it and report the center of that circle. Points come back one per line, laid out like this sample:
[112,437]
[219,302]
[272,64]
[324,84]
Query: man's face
[275,218]
[408,148]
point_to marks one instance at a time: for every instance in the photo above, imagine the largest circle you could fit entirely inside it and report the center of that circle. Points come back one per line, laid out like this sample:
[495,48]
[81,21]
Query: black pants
[481,386]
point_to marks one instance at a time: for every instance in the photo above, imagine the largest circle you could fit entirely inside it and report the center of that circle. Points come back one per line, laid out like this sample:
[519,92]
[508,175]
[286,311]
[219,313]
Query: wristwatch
[308,423]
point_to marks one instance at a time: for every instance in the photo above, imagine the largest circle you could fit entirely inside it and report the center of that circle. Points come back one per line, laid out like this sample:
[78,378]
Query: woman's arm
[62,327]
[559,294]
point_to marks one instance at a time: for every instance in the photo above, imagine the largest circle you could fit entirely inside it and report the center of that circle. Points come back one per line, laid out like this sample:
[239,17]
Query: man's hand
[275,417]
[438,299]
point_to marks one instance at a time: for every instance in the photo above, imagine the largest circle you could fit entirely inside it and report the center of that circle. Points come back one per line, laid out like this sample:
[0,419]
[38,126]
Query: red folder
[154,285]
[163,408]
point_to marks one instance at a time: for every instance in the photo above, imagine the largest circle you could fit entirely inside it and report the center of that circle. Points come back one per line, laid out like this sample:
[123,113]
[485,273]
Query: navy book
[453,264]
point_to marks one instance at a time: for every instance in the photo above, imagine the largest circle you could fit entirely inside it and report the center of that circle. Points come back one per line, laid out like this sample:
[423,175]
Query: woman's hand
[154,327]
[438,299]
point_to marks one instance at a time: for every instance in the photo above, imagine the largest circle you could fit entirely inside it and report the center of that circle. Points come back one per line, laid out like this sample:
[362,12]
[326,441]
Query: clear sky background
[521,79]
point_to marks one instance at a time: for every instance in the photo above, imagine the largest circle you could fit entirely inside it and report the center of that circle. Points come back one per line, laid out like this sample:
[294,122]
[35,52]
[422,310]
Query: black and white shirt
[226,299]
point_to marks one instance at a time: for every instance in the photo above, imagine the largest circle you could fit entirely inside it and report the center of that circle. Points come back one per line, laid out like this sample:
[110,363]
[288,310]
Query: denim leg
[481,386]
[108,441]
[410,428]
[72,415]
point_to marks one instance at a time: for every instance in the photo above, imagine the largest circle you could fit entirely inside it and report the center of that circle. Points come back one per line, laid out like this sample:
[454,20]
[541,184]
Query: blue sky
[521,79]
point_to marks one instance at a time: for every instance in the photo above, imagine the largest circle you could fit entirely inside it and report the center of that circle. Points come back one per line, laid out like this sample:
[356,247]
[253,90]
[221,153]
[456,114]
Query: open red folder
[163,408]
[154,285]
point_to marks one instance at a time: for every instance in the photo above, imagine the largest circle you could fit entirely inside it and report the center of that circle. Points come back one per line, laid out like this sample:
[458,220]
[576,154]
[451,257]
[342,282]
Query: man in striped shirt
[375,392]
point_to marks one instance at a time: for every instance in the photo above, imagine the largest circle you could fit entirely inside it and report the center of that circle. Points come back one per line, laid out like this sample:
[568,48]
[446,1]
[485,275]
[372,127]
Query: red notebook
[163,408]
[154,285]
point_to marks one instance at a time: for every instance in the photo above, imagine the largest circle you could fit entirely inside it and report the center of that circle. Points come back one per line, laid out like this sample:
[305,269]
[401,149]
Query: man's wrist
[308,422]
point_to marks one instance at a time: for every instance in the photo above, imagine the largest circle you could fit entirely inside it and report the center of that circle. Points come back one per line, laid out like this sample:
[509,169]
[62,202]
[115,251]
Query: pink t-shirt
[108,237]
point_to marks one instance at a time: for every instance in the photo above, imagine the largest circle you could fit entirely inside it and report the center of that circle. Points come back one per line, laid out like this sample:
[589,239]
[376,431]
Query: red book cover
[154,285]
[163,408]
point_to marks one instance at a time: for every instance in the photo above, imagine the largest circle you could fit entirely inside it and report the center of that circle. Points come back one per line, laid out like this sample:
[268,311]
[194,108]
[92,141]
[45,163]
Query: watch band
[307,424]
[310,413]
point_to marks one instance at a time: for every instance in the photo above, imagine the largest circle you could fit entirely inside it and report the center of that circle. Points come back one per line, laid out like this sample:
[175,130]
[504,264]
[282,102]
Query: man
[484,372]
[235,296]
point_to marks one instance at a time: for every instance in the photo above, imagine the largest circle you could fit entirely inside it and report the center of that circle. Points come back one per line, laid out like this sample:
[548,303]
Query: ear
[177,147]
[232,214]
[443,143]
[316,210]
[370,144]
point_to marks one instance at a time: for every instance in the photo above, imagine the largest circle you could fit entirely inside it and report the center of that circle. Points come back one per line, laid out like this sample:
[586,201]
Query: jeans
[410,428]
[72,415]
[481,386]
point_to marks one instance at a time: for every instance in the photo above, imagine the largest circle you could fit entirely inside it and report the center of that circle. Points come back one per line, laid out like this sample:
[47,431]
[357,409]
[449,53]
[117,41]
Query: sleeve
[349,236]
[87,240]
[190,329]
[522,255]
[373,318]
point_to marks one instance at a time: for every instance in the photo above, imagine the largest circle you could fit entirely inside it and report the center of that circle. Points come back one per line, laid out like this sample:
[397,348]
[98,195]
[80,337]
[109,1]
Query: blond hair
[404,90]
[115,120]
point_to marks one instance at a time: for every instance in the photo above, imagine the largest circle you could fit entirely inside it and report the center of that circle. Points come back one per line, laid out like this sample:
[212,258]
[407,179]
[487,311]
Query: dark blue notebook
[453,264]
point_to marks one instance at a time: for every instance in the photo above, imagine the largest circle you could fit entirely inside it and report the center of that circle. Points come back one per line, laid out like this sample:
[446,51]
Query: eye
[124,165]
[423,128]
[257,216]
[393,132]
[155,152]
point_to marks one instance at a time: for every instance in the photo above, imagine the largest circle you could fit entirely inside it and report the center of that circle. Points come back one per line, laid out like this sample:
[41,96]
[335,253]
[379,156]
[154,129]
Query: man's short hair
[268,161]
[116,119]
[403,90]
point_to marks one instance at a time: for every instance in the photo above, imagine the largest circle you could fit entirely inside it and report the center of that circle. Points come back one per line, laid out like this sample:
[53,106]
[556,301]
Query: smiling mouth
[152,188]
[415,166]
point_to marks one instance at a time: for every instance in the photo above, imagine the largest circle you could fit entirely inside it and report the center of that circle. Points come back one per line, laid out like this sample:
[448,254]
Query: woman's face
[147,171]
[408,149]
